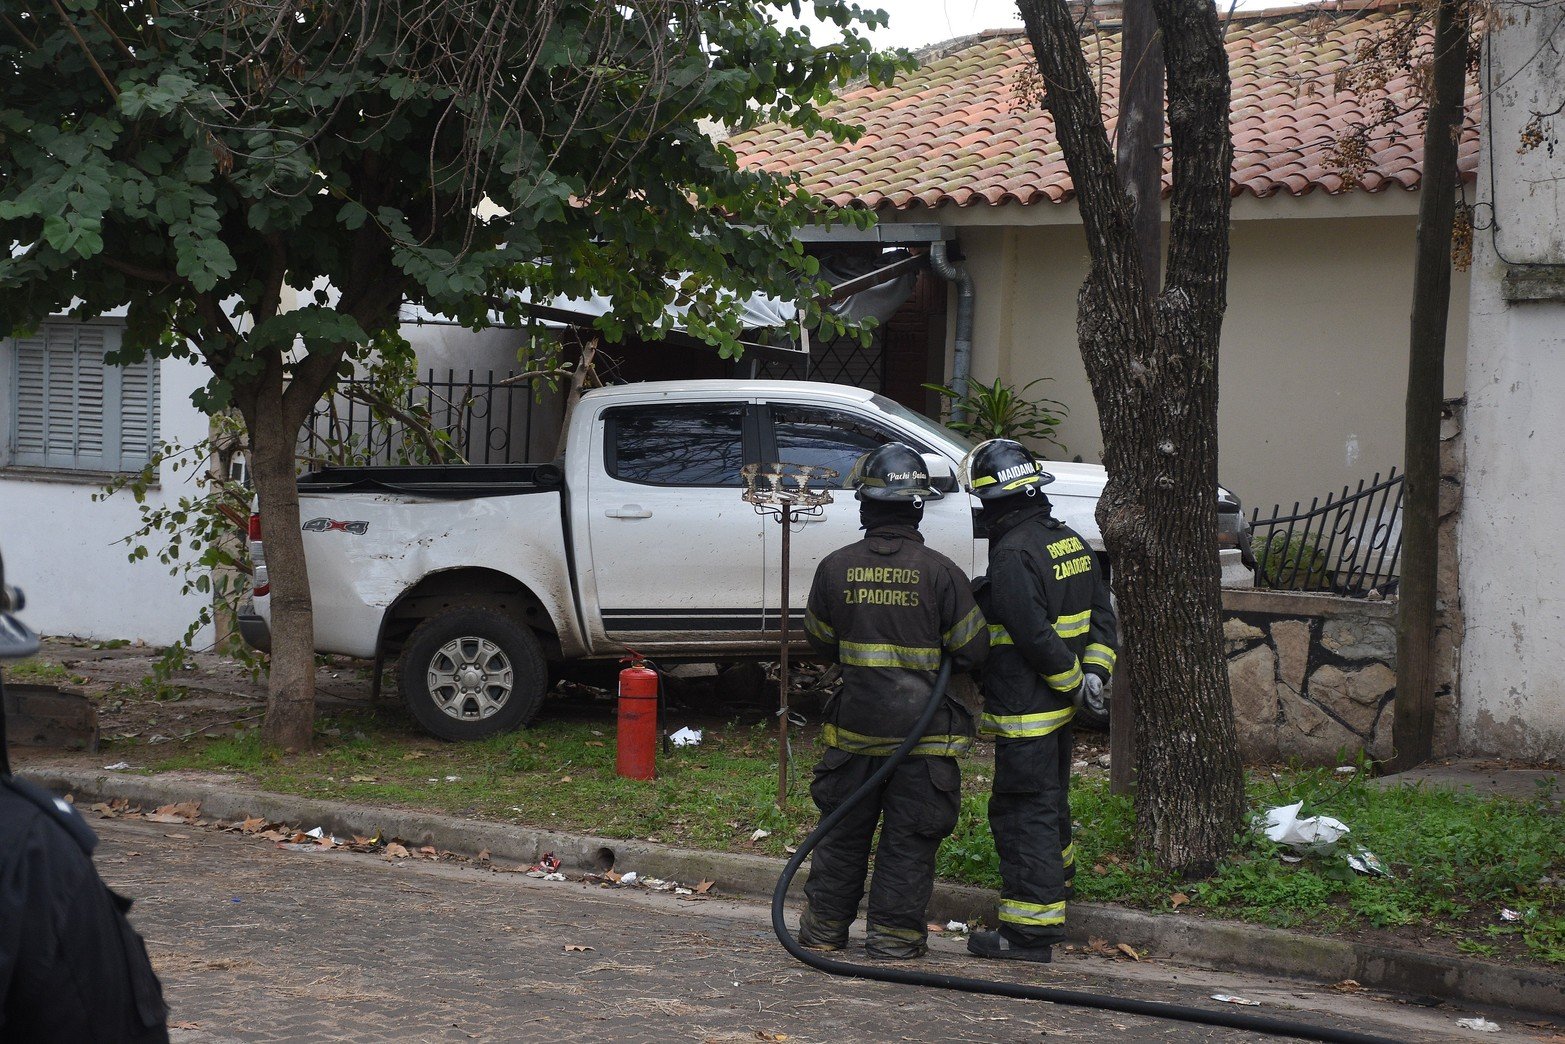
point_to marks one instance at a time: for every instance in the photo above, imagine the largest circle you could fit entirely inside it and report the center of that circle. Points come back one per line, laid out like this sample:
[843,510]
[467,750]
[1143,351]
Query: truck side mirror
[941,475]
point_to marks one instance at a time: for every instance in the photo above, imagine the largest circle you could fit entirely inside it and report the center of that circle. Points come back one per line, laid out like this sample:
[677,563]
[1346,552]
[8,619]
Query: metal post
[782,672]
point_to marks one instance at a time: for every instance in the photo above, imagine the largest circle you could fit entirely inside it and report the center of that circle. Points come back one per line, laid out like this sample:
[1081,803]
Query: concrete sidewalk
[1198,941]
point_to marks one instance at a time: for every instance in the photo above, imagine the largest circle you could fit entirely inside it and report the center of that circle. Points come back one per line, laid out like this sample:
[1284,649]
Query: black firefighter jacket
[885,608]
[1050,621]
[72,970]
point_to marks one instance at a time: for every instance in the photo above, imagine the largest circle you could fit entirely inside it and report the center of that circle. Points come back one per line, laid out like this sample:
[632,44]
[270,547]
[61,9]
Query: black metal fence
[1351,544]
[839,360]
[476,419]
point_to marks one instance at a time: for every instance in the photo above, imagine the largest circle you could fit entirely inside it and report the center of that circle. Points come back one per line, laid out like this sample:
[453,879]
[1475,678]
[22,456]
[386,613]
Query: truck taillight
[261,584]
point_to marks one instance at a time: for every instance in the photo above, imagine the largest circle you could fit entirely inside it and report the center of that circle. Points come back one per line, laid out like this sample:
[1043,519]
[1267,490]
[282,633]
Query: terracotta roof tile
[957,132]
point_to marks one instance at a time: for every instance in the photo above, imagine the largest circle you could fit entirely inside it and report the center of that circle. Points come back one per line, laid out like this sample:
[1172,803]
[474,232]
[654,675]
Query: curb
[1209,943]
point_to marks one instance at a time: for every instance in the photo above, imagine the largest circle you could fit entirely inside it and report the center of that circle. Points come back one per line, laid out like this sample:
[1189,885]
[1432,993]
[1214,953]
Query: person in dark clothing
[1052,636]
[886,608]
[72,970]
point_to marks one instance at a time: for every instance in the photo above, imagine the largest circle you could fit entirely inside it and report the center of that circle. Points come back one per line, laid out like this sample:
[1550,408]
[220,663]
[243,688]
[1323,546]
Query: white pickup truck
[481,576]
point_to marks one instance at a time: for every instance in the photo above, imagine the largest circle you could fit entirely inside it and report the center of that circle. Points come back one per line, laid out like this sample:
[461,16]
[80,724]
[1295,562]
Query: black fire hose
[1075,998]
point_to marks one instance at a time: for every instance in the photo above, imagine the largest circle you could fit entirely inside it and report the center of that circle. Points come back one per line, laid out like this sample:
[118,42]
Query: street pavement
[255,942]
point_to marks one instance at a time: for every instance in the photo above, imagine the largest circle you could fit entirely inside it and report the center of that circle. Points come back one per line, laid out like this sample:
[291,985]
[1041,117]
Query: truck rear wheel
[472,673]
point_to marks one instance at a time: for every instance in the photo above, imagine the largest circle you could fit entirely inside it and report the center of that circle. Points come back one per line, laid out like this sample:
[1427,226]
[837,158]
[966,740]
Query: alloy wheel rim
[470,678]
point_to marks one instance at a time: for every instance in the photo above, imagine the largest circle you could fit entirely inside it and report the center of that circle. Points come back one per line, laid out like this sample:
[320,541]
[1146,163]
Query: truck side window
[699,444]
[824,437]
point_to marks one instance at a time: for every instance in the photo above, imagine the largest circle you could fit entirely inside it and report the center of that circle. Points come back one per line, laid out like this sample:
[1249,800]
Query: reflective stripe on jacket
[1051,622]
[887,608]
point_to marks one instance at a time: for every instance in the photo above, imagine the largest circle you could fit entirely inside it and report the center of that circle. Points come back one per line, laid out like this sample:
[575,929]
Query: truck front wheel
[472,673]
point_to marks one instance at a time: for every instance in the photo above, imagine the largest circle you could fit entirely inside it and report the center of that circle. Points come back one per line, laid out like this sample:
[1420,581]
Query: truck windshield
[938,433]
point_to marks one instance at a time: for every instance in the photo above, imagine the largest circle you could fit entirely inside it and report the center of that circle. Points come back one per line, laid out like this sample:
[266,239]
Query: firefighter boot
[997,947]
[817,933]
[894,944]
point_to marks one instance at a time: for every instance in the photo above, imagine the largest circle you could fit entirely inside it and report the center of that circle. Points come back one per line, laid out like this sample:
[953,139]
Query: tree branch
[86,51]
[151,275]
[1198,93]
[272,289]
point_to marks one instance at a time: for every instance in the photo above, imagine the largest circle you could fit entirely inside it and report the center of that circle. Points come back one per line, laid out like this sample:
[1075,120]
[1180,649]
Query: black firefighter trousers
[1030,817]
[916,807]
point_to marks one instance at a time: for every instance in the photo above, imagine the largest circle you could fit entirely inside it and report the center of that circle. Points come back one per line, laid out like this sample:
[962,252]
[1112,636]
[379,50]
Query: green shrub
[998,411]
[1295,563]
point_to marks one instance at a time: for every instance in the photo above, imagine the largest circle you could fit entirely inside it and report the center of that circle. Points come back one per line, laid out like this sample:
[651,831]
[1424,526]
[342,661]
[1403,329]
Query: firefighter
[1052,637]
[886,608]
[71,967]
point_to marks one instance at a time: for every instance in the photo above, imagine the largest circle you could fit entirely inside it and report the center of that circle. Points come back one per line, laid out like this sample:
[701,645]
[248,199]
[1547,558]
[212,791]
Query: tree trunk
[1153,368]
[583,377]
[290,707]
[1413,727]
[1139,161]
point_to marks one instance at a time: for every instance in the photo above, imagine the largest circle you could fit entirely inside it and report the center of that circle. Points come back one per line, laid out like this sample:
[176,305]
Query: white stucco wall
[1313,367]
[1513,576]
[62,548]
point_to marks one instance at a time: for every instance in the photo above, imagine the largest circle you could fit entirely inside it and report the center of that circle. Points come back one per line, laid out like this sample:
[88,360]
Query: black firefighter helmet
[892,472]
[16,640]
[1003,467]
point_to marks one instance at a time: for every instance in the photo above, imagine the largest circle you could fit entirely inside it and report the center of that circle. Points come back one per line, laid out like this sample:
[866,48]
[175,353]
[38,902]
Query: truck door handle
[628,511]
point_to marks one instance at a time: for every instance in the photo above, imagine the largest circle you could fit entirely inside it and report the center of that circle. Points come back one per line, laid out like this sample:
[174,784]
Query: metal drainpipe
[962,357]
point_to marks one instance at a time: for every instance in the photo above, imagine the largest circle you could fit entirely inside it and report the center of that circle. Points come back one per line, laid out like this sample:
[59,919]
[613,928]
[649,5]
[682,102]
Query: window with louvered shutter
[71,410]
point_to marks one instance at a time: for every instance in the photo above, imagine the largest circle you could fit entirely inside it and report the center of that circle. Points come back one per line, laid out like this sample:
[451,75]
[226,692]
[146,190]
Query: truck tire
[472,673]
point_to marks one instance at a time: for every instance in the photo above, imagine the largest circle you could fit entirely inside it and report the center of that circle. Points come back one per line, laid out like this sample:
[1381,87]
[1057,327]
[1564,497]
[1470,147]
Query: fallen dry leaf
[1178,899]
[184,1025]
[396,851]
[483,855]
[362,779]
[272,835]
[429,850]
[574,948]
[1101,947]
[1347,986]
[164,817]
[565,779]
[253,824]
[611,877]
[180,837]
[594,743]
[763,1035]
[704,887]
[1129,951]
[1099,869]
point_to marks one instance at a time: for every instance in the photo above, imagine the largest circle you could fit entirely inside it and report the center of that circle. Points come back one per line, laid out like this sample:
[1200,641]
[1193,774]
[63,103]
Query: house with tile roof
[1320,281]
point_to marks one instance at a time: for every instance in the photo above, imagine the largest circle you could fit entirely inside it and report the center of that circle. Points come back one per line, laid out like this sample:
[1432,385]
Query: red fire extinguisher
[636,738]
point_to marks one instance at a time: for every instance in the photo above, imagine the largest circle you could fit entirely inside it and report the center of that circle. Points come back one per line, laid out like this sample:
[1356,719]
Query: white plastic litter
[1283,825]
[1510,915]
[1367,863]
[1479,1023]
[117,766]
[1228,998]
[686,737]
[453,779]
[630,878]
[760,832]
[956,926]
